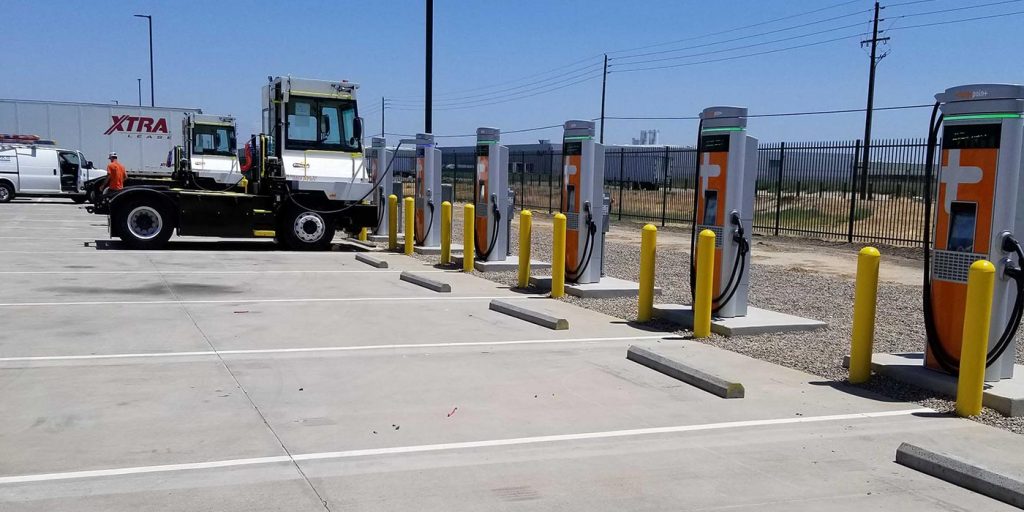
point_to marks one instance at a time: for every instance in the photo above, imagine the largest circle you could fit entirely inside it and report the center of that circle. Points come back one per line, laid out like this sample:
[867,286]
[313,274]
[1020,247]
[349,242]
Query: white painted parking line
[216,272]
[398,450]
[249,301]
[327,349]
[44,239]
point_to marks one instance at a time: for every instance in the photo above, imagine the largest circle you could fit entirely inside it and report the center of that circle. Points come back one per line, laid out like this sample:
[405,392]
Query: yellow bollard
[981,281]
[410,234]
[392,222]
[864,301]
[468,213]
[446,233]
[525,232]
[558,257]
[362,235]
[705,279]
[645,304]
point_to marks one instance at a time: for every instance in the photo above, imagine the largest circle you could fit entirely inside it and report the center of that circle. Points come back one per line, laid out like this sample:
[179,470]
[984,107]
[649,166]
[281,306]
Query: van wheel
[6,192]
[143,224]
[305,230]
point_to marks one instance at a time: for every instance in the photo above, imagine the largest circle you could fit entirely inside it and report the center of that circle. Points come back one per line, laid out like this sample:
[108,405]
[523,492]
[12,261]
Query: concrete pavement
[208,378]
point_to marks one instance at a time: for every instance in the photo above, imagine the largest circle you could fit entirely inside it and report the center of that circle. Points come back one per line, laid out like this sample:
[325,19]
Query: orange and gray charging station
[493,208]
[978,215]
[379,162]
[427,195]
[585,206]
[724,198]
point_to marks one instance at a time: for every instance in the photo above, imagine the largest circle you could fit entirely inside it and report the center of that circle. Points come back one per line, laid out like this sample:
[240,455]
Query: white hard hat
[113,154]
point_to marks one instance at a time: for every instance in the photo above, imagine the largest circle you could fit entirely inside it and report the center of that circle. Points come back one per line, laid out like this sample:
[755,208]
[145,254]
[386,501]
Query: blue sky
[217,55]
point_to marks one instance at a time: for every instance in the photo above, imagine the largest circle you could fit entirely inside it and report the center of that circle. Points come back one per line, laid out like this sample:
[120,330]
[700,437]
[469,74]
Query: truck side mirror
[88,165]
[357,129]
[325,125]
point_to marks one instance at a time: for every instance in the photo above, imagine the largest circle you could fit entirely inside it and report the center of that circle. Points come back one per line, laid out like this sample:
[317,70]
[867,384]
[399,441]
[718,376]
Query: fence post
[455,178]
[853,191]
[522,180]
[664,188]
[622,176]
[778,187]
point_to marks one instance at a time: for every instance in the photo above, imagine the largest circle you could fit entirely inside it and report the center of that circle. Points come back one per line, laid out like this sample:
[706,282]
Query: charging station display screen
[711,207]
[962,223]
[971,136]
[714,142]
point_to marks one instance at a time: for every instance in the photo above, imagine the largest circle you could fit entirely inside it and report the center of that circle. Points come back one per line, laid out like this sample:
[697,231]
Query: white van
[40,170]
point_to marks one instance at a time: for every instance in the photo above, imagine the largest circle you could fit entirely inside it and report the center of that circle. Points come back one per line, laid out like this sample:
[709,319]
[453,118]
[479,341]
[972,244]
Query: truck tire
[6,192]
[305,230]
[79,199]
[143,224]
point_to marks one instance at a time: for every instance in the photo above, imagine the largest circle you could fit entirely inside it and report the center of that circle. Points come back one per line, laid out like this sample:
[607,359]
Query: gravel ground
[899,324]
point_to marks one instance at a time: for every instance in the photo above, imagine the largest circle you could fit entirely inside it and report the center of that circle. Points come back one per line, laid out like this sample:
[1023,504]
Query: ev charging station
[427,235]
[582,201]
[726,175]
[377,158]
[492,203]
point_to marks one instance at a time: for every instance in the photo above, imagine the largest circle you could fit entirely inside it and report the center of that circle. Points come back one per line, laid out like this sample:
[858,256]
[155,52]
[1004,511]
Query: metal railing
[802,189]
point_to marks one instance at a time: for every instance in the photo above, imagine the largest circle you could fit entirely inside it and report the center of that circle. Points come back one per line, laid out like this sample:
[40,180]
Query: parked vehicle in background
[31,166]
[141,136]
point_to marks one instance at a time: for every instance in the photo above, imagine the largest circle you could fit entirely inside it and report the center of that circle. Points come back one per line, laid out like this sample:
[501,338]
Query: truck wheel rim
[4,193]
[145,223]
[309,227]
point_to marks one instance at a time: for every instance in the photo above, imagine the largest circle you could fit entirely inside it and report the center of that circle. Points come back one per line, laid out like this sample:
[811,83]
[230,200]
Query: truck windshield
[210,139]
[321,124]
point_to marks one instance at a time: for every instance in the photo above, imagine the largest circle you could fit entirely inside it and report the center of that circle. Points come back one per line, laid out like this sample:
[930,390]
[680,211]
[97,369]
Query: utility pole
[866,160]
[429,78]
[140,90]
[382,116]
[604,86]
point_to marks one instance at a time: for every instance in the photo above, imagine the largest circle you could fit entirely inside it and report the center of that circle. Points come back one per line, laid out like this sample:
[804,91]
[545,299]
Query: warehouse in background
[141,136]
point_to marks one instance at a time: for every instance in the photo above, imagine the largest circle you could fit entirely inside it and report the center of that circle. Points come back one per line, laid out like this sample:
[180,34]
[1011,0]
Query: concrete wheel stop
[1005,396]
[384,238]
[425,282]
[608,287]
[434,250]
[371,260]
[508,264]
[961,472]
[711,383]
[530,315]
[757,321]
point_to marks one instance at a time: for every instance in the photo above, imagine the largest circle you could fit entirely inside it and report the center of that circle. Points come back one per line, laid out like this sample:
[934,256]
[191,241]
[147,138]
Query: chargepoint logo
[138,127]
[972,95]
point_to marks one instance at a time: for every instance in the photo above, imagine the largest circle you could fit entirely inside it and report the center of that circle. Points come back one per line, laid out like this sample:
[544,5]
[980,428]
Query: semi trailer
[305,179]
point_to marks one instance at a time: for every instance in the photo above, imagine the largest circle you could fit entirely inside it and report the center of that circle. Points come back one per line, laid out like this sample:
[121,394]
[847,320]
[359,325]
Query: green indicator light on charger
[725,129]
[969,117]
[583,137]
[482,142]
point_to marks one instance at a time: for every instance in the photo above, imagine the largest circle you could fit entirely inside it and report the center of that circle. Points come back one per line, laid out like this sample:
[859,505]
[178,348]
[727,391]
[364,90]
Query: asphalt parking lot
[229,376]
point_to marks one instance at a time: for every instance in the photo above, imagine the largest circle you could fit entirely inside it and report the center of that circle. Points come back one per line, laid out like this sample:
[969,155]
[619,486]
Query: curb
[371,261]
[710,383]
[962,473]
[534,317]
[425,282]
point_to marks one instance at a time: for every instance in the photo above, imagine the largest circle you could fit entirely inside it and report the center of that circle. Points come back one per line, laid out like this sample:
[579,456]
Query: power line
[499,94]
[561,69]
[514,98]
[744,56]
[751,36]
[743,47]
[954,9]
[776,114]
[964,20]
[768,22]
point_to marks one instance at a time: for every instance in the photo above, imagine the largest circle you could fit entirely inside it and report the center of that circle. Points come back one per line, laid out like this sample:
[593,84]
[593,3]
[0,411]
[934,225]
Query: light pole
[152,101]
[140,90]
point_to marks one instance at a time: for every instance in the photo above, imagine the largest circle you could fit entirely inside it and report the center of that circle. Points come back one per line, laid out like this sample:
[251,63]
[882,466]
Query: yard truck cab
[305,179]
[208,159]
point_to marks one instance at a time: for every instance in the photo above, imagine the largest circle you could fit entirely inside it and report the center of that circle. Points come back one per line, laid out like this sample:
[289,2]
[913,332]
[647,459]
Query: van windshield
[209,139]
[321,124]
